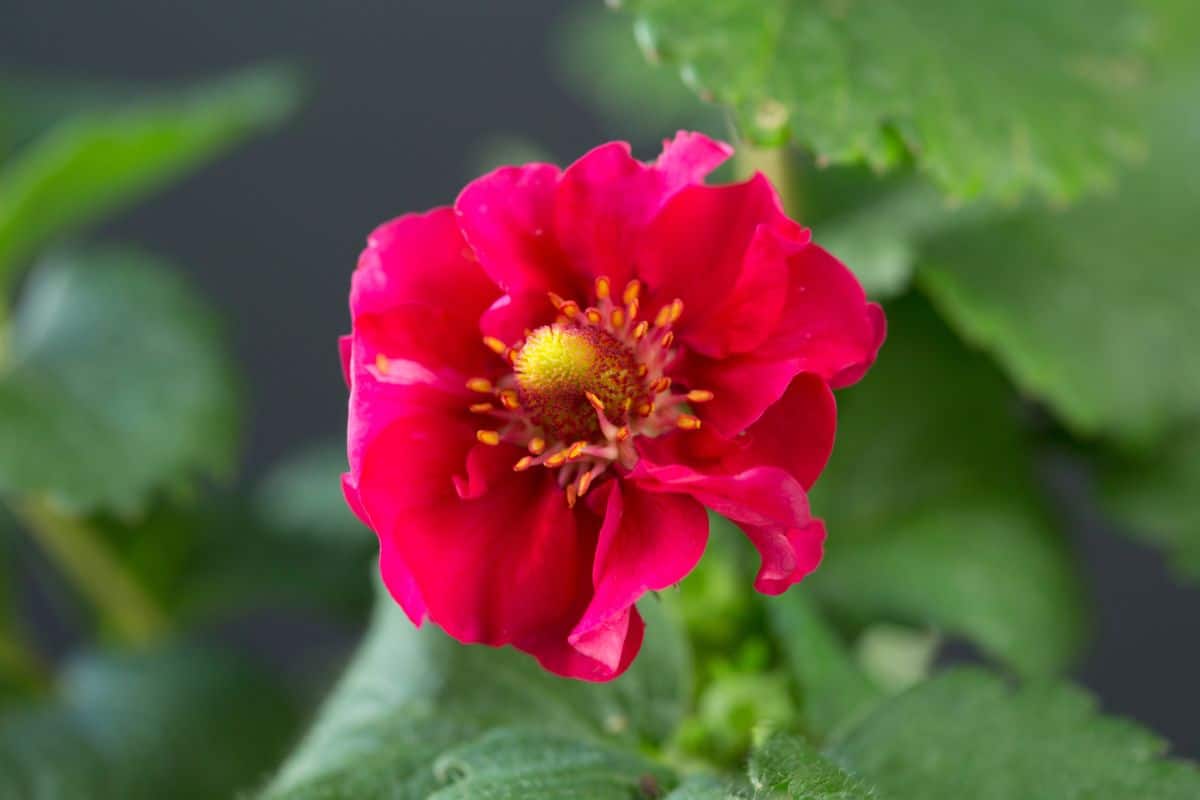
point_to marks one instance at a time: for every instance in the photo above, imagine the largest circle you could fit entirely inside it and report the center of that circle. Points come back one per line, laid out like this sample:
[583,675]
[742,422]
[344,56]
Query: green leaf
[117,382]
[95,162]
[707,787]
[998,99]
[597,58]
[302,496]
[930,499]
[411,695]
[967,734]
[30,106]
[1092,310]
[515,764]
[787,767]
[834,689]
[184,722]
[1155,496]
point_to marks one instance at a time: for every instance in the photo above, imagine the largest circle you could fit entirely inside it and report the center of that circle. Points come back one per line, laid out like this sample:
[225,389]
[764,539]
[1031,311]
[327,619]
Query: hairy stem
[94,570]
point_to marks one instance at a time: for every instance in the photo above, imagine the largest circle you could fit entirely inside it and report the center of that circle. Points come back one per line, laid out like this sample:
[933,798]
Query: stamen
[668,339]
[537,445]
[631,291]
[593,316]
[481,408]
[585,482]
[663,318]
[676,310]
[523,463]
[632,307]
[622,433]
[556,301]
[688,423]
[602,287]
[661,385]
[382,363]
[617,317]
[481,385]
[570,309]
[699,396]
[556,460]
[640,329]
[576,450]
[509,398]
[488,437]
[642,369]
[645,409]
[572,495]
[495,345]
[595,401]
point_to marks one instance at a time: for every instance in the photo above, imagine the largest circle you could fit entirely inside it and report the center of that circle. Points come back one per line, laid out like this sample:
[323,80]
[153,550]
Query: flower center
[557,368]
[582,388]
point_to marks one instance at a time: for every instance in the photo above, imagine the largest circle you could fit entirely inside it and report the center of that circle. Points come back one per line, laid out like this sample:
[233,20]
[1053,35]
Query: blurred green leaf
[834,690]
[707,787]
[930,499]
[598,59]
[99,160]
[181,722]
[787,767]
[117,382]
[995,100]
[967,734]
[302,496]
[501,150]
[1093,310]
[516,764]
[411,695]
[30,106]
[1156,496]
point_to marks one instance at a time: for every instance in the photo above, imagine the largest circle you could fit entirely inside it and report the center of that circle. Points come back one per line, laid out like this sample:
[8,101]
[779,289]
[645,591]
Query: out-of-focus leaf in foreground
[116,382]
[99,160]
[182,722]
[995,99]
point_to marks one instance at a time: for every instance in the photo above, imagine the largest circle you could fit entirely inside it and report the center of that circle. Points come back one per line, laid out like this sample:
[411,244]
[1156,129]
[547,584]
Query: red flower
[552,380]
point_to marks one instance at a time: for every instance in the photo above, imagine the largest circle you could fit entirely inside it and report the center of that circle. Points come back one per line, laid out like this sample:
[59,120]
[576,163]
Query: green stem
[779,165]
[95,571]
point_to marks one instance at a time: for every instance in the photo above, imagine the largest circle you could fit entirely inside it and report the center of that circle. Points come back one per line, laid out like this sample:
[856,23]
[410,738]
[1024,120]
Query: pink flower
[551,381]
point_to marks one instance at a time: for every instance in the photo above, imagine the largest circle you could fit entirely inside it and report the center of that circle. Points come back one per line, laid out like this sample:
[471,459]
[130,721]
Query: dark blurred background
[404,97]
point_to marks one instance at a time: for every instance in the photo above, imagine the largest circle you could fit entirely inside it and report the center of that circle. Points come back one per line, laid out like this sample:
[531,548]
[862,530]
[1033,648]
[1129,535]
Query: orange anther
[622,433]
[537,445]
[488,437]
[632,307]
[603,287]
[382,363]
[646,409]
[668,339]
[556,460]
[663,318]
[640,329]
[509,398]
[495,345]
[570,309]
[576,450]
[523,463]
[631,291]
[482,385]
[596,402]
[593,316]
[617,317]
[585,482]
[688,423]
[481,408]
[572,495]
[699,396]
[661,385]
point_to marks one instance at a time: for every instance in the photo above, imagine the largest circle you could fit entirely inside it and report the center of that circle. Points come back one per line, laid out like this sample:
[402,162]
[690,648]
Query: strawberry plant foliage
[995,99]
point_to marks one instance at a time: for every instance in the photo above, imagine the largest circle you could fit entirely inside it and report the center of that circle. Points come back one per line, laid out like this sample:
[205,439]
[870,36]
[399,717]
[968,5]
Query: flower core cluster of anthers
[584,386]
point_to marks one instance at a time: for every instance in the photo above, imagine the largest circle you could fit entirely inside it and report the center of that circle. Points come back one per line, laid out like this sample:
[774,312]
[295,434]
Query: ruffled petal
[421,259]
[694,248]
[507,217]
[767,503]
[600,656]
[827,326]
[606,198]
[743,388]
[649,541]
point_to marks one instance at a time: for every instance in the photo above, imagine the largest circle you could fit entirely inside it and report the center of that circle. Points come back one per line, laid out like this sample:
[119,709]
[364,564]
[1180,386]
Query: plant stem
[95,571]
[779,165]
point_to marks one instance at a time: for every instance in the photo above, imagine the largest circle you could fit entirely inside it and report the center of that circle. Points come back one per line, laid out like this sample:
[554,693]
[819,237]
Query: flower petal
[649,541]
[827,326]
[767,503]
[694,248]
[600,656]
[607,197]
[743,388]
[421,259]
[507,217]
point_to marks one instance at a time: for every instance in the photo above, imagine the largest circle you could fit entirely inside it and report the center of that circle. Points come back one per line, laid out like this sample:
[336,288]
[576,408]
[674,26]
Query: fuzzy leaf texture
[412,697]
[997,99]
[967,734]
